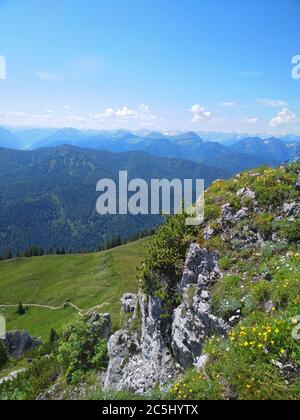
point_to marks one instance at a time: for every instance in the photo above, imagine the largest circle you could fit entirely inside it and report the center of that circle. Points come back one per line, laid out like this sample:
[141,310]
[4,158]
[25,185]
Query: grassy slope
[86,280]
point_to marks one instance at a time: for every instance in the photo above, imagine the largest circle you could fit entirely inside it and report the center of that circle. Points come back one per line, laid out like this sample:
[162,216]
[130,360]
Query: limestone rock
[18,343]
[227,213]
[202,361]
[121,347]
[292,209]
[188,336]
[165,345]
[12,376]
[129,301]
[246,193]
[208,233]
[140,362]
[199,262]
[101,324]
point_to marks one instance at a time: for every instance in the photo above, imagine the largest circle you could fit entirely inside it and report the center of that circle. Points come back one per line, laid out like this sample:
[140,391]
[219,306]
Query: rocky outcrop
[246,193]
[12,376]
[291,209]
[199,262]
[229,217]
[100,323]
[166,345]
[193,320]
[140,361]
[18,343]
[129,301]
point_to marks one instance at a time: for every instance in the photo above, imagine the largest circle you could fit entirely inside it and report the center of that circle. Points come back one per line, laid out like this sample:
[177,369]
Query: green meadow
[87,281]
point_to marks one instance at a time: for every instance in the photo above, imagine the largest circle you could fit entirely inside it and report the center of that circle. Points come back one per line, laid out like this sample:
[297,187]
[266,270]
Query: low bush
[81,349]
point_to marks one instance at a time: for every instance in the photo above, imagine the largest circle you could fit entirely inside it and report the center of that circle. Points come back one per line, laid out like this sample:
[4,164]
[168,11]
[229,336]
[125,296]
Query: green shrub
[263,223]
[100,358]
[37,378]
[166,254]
[227,296]
[225,263]
[289,229]
[81,349]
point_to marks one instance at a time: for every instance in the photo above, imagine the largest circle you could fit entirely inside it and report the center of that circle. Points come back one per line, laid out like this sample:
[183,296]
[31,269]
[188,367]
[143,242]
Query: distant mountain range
[238,154]
[274,148]
[48,196]
[48,193]
[8,139]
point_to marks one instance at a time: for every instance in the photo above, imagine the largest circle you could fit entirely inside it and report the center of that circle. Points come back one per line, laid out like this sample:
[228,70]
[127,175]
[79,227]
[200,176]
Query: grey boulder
[18,343]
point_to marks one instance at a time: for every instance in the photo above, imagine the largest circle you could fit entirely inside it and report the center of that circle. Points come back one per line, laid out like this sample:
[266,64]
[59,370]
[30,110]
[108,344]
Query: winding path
[57,308]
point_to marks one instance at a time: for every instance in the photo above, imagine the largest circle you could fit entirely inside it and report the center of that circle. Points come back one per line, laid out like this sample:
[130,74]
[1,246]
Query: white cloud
[123,113]
[284,117]
[145,109]
[48,75]
[142,116]
[109,118]
[228,104]
[272,103]
[252,121]
[199,113]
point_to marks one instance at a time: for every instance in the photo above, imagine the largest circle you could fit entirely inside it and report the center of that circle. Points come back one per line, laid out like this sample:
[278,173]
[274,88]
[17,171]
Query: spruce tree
[3,355]
[21,309]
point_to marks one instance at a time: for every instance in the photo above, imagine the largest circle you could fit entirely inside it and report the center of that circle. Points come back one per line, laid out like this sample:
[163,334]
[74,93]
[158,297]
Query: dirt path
[57,308]
[35,305]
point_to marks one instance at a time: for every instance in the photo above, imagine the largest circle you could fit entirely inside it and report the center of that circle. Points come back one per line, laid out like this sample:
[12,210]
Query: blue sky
[159,64]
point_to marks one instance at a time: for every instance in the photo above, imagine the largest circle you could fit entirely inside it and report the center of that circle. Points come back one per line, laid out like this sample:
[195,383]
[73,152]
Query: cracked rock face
[188,336]
[193,320]
[139,361]
[199,262]
[18,343]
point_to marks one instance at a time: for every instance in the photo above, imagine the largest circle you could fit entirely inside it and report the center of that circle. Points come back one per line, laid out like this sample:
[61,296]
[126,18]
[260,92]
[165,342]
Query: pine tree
[53,336]
[21,309]
[3,355]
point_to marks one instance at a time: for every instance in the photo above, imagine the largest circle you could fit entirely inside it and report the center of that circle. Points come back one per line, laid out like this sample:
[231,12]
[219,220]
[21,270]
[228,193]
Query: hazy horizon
[188,66]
